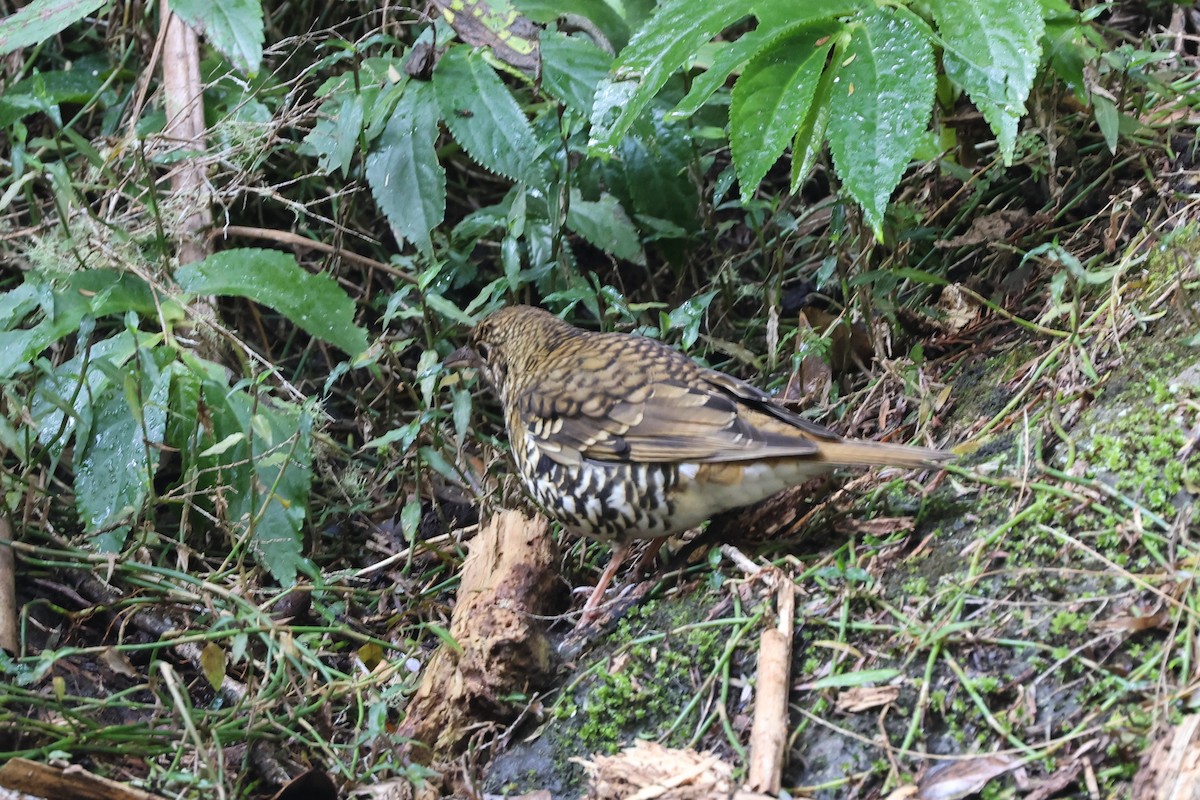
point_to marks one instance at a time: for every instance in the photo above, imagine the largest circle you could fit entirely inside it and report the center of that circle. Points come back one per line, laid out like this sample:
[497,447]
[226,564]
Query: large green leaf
[992,50]
[880,107]
[667,40]
[611,19]
[115,464]
[259,454]
[335,136]
[314,302]
[41,19]
[403,170]
[93,293]
[772,98]
[571,69]
[482,115]
[604,224]
[729,57]
[234,27]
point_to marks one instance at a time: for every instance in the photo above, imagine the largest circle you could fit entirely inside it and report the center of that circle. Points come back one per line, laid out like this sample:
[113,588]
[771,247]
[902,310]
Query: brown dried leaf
[862,698]
[649,770]
[951,780]
[1170,768]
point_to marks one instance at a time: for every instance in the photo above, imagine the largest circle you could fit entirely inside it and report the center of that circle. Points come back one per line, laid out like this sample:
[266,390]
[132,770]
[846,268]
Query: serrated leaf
[772,98]
[266,486]
[91,293]
[40,20]
[233,27]
[667,40]
[729,58]
[315,303]
[654,167]
[482,115]
[403,171]
[879,107]
[604,224]
[993,51]
[114,466]
[335,136]
[571,69]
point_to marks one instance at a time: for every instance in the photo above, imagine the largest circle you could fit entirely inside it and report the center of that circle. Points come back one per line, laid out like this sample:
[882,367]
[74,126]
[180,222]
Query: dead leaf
[115,660]
[648,770]
[212,663]
[994,227]
[1170,768]
[959,309]
[862,698]
[951,780]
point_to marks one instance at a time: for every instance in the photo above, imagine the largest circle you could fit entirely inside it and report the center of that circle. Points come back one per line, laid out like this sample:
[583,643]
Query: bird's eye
[484,351]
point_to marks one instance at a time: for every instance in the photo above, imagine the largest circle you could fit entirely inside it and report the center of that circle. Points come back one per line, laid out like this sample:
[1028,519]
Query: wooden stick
[768,735]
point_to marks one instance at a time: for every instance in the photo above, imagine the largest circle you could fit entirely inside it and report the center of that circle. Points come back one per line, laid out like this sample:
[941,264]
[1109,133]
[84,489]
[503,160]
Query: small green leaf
[571,69]
[313,302]
[335,136]
[772,98]
[993,51]
[41,20]
[406,179]
[663,45]
[233,27]
[482,115]
[603,224]
[870,677]
[880,107]
[1107,119]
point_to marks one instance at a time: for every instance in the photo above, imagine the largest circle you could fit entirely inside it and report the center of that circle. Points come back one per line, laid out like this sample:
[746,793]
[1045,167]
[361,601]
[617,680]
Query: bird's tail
[879,454]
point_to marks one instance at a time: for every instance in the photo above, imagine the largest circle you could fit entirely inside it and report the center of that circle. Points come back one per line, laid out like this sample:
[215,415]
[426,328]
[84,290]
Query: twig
[768,735]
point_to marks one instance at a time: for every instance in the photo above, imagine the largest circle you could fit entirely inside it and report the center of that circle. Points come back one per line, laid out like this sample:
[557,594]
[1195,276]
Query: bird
[621,437]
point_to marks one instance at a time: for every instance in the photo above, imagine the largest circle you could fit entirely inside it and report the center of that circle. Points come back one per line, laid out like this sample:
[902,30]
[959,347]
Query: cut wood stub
[509,586]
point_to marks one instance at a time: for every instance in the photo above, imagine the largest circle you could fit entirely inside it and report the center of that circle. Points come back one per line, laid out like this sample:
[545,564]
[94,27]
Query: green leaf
[403,170]
[870,677]
[654,170]
[115,464]
[44,91]
[233,27]
[265,478]
[92,293]
[603,224]
[335,136]
[993,51]
[571,69]
[772,98]
[313,302]
[730,57]
[41,19]
[880,107]
[663,45]
[1107,119]
[482,115]
[62,402]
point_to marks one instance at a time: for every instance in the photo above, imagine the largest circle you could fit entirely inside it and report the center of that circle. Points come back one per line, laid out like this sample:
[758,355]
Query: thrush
[619,437]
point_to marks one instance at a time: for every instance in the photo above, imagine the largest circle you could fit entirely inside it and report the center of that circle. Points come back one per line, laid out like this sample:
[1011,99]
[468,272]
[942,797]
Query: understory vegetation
[239,484]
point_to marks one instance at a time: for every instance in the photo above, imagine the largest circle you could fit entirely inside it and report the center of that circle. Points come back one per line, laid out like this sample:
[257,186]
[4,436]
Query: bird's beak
[462,357]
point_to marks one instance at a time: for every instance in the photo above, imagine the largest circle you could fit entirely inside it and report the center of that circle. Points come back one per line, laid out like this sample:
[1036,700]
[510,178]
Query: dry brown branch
[768,735]
[509,581]
[8,589]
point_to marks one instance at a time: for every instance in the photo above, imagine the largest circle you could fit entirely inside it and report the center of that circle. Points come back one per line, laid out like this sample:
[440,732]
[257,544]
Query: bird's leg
[646,560]
[619,551]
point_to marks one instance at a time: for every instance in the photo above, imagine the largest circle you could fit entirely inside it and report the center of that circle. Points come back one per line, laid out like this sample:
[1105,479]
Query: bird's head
[512,340]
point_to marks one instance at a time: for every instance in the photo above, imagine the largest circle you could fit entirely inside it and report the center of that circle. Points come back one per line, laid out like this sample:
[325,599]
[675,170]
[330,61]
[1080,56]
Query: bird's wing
[696,416]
